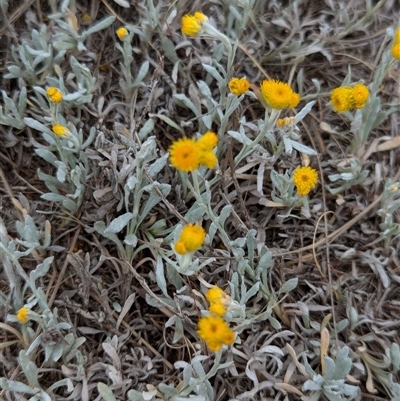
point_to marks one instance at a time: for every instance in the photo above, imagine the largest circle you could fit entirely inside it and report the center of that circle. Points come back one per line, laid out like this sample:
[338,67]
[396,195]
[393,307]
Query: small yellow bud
[60,130]
[122,33]
[22,315]
[54,94]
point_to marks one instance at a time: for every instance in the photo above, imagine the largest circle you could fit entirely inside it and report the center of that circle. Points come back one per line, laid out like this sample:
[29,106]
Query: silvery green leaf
[353,318]
[340,326]
[289,285]
[288,145]
[153,200]
[41,270]
[198,367]
[105,391]
[54,197]
[46,155]
[183,100]
[303,148]
[157,165]
[131,239]
[103,24]
[168,121]
[123,3]
[17,387]
[274,323]
[142,73]
[134,395]
[146,129]
[160,276]
[250,293]
[304,111]
[30,122]
[310,385]
[211,70]
[224,214]
[131,182]
[242,138]
[343,364]
[118,223]
[204,89]
[330,368]
[57,352]
[207,120]
[395,356]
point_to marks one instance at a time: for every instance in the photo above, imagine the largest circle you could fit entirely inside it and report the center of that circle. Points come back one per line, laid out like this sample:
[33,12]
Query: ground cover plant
[200,200]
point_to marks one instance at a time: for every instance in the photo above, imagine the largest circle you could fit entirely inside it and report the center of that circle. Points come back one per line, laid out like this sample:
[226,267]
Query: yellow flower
[22,315]
[360,95]
[285,121]
[191,238]
[187,154]
[215,332]
[60,130]
[122,33]
[208,141]
[396,51]
[184,155]
[191,25]
[215,294]
[305,179]
[279,95]
[342,99]
[200,16]
[238,86]
[54,94]
[218,309]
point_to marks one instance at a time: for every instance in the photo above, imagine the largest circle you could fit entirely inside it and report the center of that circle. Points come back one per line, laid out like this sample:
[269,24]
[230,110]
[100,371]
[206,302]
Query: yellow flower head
[360,95]
[208,159]
[122,33]
[200,16]
[191,25]
[215,294]
[184,155]
[218,309]
[396,51]
[191,238]
[54,94]
[60,130]
[238,86]
[342,99]
[22,315]
[215,332]
[279,95]
[305,179]
[208,141]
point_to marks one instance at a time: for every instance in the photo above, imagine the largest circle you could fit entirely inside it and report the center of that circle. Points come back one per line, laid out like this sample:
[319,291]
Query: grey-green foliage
[68,37]
[141,195]
[33,58]
[13,114]
[67,156]
[349,175]
[389,205]
[194,387]
[333,384]
[34,389]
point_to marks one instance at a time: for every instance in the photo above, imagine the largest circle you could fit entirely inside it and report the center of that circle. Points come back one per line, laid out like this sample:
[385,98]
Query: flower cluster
[345,98]
[396,45]
[187,154]
[192,24]
[279,95]
[305,179]
[219,301]
[238,86]
[191,238]
[215,332]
